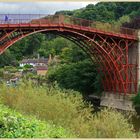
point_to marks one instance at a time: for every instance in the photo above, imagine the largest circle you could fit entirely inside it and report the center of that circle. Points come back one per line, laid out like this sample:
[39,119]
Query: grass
[66,108]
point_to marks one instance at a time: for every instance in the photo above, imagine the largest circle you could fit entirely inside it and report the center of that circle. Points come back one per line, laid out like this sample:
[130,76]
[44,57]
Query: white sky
[39,7]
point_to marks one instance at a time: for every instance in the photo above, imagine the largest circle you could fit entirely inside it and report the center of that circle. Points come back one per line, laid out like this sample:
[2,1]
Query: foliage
[36,79]
[61,107]
[134,23]
[79,76]
[72,54]
[110,123]
[66,12]
[1,73]
[15,125]
[6,75]
[61,47]
[107,11]
[8,72]
[7,58]
[23,48]
[136,100]
[66,108]
[105,26]
[72,67]
[138,135]
[123,19]
[10,69]
[27,66]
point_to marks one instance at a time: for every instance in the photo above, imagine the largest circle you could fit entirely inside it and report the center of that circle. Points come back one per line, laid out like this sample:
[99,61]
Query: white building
[34,62]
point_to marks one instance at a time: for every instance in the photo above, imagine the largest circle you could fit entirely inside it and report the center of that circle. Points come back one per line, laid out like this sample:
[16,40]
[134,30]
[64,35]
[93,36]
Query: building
[34,62]
[40,65]
[41,70]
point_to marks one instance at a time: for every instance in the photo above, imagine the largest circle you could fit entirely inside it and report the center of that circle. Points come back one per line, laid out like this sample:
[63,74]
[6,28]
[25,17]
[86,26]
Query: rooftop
[40,60]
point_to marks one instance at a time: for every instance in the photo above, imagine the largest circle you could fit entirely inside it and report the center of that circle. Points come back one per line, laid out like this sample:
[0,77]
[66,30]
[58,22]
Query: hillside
[106,11]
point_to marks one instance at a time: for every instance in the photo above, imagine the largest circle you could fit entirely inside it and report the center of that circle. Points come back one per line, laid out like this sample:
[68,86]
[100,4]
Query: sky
[39,7]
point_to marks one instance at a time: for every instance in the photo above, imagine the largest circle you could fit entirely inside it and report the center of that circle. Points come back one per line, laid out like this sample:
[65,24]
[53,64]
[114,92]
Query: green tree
[79,76]
[7,58]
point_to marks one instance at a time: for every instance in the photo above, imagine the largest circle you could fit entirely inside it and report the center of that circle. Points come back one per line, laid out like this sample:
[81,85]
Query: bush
[66,108]
[136,100]
[15,125]
[10,69]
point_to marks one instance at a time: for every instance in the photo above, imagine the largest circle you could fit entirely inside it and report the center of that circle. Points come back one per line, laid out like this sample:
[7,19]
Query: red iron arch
[109,50]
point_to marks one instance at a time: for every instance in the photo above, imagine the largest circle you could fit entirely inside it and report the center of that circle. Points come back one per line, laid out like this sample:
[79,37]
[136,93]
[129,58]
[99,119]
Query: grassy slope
[66,108]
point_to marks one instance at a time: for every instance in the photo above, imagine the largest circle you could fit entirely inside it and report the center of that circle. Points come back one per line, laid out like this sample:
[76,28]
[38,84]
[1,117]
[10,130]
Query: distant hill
[106,11]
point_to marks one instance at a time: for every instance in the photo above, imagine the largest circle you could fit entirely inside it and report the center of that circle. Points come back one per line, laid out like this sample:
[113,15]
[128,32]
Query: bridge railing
[68,20]
[99,25]
[89,24]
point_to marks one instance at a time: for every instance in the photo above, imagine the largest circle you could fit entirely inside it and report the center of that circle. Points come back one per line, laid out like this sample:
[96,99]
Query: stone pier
[117,101]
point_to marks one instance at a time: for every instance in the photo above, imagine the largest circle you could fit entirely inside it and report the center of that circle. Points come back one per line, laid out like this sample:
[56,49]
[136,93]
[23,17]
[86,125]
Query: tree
[79,76]
[7,58]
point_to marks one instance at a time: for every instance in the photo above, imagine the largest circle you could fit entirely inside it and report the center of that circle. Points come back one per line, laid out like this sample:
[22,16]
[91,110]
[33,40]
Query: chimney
[38,56]
[50,58]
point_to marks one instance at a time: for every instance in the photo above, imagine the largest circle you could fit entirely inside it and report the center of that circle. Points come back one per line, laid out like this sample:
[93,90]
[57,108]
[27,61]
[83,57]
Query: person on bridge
[6,18]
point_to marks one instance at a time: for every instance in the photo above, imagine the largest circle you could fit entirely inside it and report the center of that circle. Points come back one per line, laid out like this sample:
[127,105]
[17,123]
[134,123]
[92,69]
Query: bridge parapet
[63,19]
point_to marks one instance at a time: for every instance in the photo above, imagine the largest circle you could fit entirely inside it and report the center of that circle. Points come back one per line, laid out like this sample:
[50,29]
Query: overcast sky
[39,7]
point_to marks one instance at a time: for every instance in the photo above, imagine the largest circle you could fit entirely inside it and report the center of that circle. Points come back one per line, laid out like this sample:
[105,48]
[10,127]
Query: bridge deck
[76,27]
[67,22]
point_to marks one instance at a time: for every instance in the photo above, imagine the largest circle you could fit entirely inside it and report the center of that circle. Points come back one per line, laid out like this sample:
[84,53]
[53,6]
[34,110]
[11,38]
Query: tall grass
[66,108]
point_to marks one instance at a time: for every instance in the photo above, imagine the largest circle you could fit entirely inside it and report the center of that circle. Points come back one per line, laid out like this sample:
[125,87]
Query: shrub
[138,134]
[136,100]
[15,125]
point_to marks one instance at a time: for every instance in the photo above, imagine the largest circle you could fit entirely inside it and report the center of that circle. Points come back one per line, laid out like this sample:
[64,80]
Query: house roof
[41,60]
